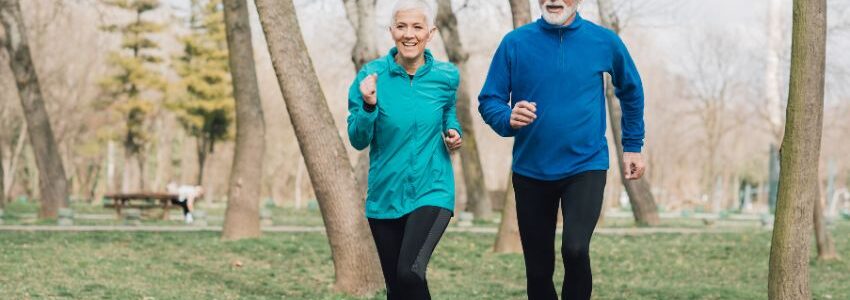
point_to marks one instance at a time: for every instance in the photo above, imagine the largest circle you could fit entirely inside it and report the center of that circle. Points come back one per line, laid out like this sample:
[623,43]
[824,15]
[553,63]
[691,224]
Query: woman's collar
[397,69]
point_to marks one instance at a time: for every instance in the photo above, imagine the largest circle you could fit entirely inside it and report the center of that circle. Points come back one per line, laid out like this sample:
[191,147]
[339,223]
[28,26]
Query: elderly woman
[402,106]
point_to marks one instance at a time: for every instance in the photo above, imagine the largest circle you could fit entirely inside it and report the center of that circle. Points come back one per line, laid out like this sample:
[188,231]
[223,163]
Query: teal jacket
[409,163]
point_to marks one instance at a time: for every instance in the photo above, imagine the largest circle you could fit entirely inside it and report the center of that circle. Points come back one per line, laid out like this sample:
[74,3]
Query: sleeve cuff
[459,132]
[631,148]
[508,130]
[369,107]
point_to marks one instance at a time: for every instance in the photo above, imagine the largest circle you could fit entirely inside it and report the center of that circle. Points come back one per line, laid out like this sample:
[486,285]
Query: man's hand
[369,89]
[453,139]
[523,114]
[633,165]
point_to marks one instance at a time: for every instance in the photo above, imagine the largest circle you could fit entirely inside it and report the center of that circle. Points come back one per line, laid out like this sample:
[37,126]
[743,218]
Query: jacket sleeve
[629,90]
[361,123]
[494,100]
[450,112]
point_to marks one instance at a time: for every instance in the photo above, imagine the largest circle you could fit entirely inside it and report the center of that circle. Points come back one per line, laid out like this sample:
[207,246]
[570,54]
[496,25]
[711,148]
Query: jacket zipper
[560,48]
[412,158]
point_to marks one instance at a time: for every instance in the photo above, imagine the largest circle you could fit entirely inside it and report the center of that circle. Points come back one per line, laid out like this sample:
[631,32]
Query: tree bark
[126,172]
[13,163]
[520,12]
[110,166]
[53,184]
[242,217]
[299,178]
[94,183]
[361,15]
[788,276]
[2,181]
[353,250]
[825,245]
[639,191]
[202,159]
[473,174]
[507,239]
[141,161]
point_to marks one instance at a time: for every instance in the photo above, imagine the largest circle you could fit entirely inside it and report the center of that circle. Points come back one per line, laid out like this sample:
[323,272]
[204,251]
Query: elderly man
[545,88]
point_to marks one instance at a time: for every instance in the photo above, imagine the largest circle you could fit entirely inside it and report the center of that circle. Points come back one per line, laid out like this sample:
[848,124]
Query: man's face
[557,12]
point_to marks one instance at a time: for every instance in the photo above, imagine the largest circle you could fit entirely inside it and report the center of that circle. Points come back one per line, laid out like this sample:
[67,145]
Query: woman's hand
[369,89]
[453,139]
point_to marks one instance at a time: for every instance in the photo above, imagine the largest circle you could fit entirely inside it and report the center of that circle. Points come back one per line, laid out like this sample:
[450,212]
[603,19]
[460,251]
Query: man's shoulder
[521,33]
[600,31]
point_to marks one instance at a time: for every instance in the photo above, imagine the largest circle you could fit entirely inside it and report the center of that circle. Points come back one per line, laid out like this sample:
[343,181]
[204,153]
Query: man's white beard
[561,18]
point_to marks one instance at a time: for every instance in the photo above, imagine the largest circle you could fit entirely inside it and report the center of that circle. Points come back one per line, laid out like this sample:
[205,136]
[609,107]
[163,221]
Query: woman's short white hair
[403,5]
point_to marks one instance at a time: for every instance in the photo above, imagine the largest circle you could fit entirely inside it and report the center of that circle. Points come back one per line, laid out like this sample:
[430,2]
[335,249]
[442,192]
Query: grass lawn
[196,265]
[18,213]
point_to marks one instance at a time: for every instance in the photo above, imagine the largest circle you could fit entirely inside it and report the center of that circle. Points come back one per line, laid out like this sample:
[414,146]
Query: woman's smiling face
[411,33]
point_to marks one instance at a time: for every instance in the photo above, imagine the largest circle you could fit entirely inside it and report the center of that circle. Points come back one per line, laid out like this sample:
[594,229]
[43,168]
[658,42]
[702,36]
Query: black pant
[184,204]
[405,246]
[537,202]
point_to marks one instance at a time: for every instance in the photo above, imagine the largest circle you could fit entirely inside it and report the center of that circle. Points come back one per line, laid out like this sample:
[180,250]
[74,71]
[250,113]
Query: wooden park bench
[142,201]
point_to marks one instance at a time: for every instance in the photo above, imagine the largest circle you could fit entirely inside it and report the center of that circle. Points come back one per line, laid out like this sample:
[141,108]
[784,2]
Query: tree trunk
[361,14]
[242,217]
[361,173]
[507,239]
[353,250]
[31,181]
[82,175]
[639,191]
[110,166]
[771,78]
[94,183]
[299,178]
[362,17]
[202,160]
[2,181]
[788,277]
[163,154]
[126,172]
[460,186]
[826,247]
[13,162]
[53,184]
[520,12]
[141,161]
[473,174]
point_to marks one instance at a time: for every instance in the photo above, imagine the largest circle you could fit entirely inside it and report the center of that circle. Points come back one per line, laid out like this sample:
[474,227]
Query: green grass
[24,213]
[196,265]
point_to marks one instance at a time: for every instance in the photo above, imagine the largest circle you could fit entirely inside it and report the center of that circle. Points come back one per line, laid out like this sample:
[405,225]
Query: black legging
[537,201]
[405,246]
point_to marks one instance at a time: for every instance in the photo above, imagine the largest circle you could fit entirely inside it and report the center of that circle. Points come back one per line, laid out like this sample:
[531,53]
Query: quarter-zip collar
[576,24]
[396,69]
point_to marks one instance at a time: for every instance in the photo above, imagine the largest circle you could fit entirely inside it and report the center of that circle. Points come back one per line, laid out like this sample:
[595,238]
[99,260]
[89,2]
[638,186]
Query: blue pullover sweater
[560,68]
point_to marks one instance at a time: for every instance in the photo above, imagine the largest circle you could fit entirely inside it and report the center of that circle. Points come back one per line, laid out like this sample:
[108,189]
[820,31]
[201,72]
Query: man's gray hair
[402,5]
